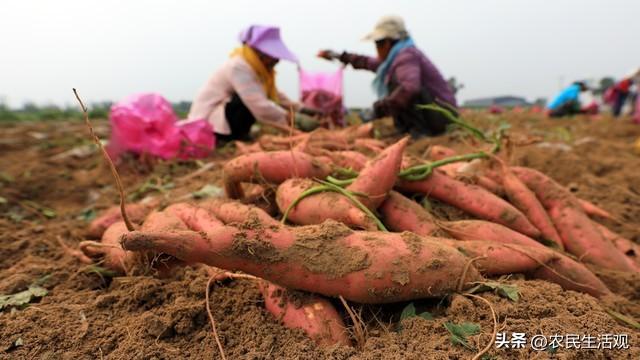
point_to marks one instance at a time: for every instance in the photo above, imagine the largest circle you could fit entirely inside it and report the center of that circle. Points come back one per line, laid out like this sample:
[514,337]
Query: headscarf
[380,85]
[266,76]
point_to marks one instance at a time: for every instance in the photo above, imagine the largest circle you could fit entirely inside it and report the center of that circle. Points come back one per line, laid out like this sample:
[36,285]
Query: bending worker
[567,102]
[404,78]
[243,90]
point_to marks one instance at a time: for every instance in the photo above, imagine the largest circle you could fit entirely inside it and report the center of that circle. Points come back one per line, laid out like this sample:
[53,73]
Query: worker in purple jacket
[404,78]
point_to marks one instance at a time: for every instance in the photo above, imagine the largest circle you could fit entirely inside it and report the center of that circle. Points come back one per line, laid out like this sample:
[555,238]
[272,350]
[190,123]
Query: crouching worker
[404,78]
[243,90]
[567,102]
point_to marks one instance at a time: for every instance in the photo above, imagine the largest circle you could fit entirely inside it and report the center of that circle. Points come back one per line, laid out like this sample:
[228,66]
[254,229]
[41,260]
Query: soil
[50,196]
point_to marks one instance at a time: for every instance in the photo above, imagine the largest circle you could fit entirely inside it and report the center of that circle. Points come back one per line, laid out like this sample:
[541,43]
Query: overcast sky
[110,49]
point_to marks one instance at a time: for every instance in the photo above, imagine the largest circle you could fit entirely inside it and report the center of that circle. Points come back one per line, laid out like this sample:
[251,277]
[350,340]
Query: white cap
[389,26]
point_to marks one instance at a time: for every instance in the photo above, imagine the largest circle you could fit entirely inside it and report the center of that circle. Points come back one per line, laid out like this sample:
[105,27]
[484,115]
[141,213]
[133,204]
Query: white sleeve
[246,84]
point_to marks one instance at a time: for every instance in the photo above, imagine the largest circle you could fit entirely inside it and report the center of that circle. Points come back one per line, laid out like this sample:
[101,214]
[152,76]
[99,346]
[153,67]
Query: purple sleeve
[360,61]
[407,75]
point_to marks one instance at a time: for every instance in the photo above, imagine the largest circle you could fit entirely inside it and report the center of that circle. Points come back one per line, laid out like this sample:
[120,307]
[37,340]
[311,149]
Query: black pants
[619,104]
[240,120]
[421,122]
[566,109]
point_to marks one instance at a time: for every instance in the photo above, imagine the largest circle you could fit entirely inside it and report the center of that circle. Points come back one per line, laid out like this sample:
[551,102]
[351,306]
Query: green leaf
[408,311]
[50,213]
[459,332]
[22,298]
[510,292]
[87,214]
[208,191]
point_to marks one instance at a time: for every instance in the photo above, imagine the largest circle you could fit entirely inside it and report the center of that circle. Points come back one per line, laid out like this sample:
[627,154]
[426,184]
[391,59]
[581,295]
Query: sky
[111,49]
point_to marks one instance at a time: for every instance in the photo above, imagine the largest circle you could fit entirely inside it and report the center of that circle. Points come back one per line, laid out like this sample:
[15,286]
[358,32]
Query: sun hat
[389,26]
[267,40]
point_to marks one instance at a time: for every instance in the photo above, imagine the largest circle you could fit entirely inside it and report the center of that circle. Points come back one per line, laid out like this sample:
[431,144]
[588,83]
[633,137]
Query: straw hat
[390,26]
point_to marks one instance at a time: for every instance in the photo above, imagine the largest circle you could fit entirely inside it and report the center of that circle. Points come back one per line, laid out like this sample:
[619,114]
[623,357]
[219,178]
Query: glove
[306,123]
[328,54]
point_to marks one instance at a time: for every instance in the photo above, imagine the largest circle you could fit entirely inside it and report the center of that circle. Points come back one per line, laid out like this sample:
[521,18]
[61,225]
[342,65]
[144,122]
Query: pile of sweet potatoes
[343,223]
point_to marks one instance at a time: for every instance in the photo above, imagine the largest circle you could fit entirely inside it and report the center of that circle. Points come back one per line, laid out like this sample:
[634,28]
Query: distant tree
[604,83]
[182,108]
[454,85]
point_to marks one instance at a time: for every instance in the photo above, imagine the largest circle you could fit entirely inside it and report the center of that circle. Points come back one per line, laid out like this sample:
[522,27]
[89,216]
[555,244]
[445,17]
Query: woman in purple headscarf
[243,90]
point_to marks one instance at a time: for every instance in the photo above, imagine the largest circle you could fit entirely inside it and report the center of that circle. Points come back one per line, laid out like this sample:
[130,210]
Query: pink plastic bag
[323,92]
[146,123]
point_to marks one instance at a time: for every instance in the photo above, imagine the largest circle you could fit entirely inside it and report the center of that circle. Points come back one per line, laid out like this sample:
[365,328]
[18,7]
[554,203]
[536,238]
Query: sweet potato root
[113,256]
[271,167]
[400,213]
[439,152]
[472,199]
[594,210]
[579,235]
[630,249]
[471,230]
[536,261]
[526,201]
[135,212]
[379,175]
[232,212]
[319,207]
[328,259]
[316,316]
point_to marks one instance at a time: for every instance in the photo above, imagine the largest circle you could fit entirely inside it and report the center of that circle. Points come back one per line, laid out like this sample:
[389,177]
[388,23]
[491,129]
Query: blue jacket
[571,93]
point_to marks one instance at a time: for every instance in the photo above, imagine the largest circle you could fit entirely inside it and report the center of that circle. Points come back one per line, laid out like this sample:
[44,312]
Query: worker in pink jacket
[405,77]
[243,90]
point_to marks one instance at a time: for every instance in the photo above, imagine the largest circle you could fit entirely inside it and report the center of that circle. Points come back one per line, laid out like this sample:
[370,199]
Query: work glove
[328,55]
[305,122]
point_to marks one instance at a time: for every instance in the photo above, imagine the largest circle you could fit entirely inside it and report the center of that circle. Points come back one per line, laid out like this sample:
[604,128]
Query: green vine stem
[420,172]
[327,186]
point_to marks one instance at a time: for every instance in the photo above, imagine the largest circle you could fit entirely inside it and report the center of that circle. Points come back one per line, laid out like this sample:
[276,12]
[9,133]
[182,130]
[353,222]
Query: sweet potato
[195,218]
[486,231]
[328,259]
[579,235]
[489,184]
[349,159]
[135,212]
[319,207]
[535,261]
[571,275]
[379,175]
[316,316]
[232,212]
[526,201]
[113,256]
[472,199]
[270,167]
[630,249]
[594,210]
[439,152]
[500,259]
[400,213]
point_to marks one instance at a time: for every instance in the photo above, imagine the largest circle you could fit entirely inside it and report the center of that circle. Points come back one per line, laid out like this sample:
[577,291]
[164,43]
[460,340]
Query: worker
[618,94]
[567,102]
[243,90]
[405,77]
